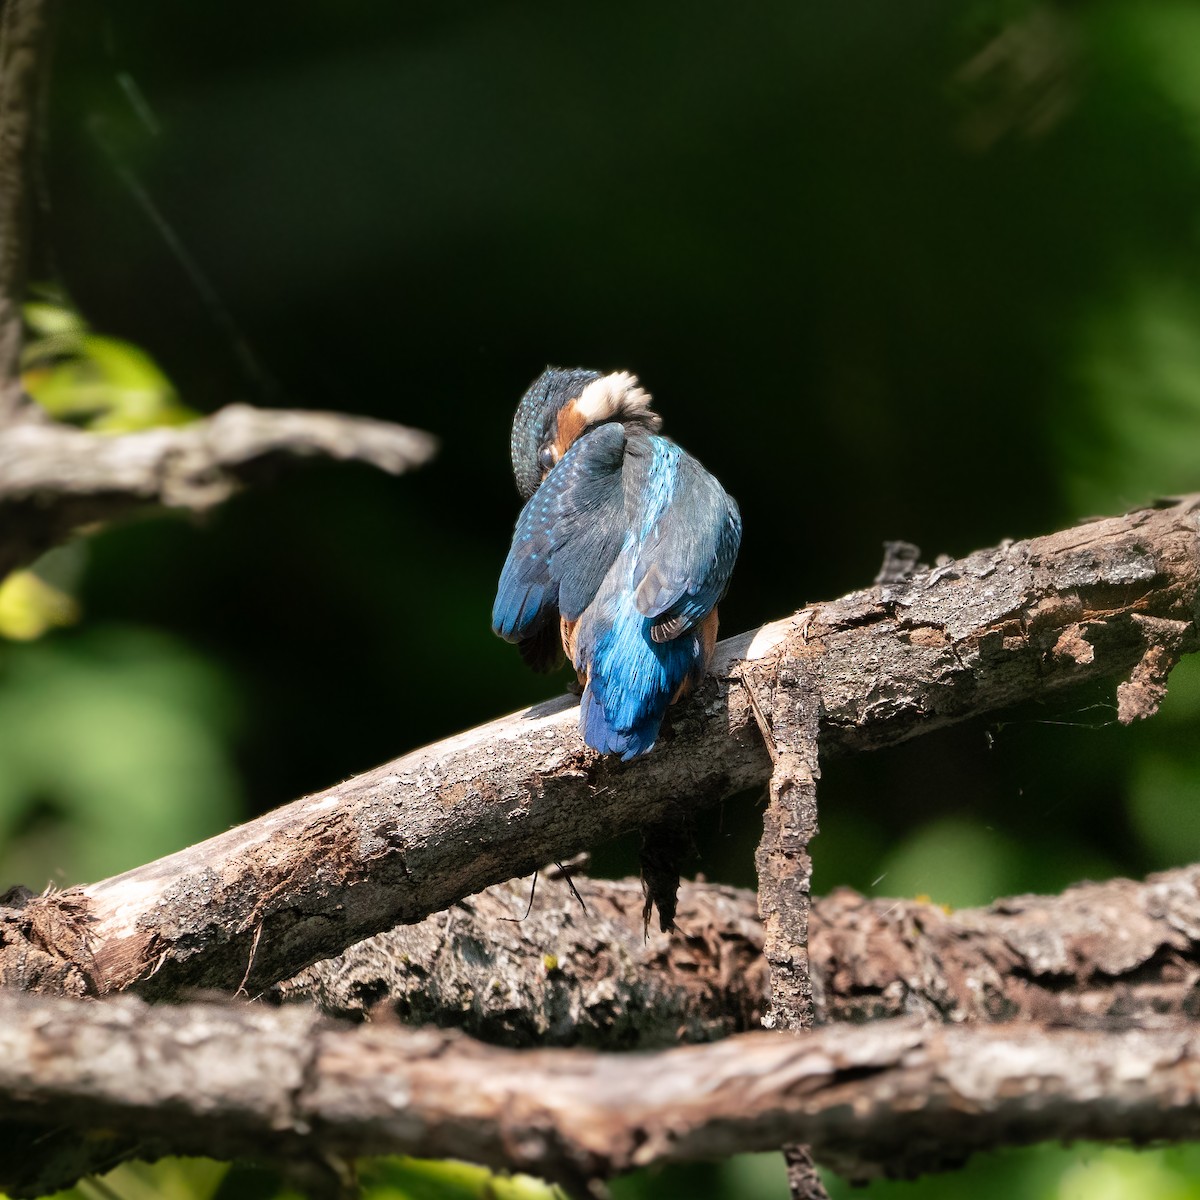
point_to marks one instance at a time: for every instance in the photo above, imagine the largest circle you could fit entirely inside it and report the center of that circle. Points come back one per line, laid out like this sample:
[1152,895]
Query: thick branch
[888,1098]
[1110,956]
[559,977]
[54,479]
[1099,955]
[25,30]
[409,838]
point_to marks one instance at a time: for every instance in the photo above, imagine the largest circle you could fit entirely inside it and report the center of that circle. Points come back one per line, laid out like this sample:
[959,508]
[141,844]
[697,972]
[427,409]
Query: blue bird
[623,550]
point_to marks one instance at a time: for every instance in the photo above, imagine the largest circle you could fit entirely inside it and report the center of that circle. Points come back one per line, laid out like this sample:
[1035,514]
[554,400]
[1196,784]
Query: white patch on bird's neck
[616,397]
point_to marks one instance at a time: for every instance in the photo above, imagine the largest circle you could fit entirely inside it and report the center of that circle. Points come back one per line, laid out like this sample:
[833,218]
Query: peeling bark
[1141,694]
[891,1098]
[44,943]
[55,479]
[979,633]
[258,903]
[1103,957]
[920,650]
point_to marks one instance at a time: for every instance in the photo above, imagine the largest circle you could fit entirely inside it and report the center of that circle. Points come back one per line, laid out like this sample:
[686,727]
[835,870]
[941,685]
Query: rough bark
[1100,955]
[25,30]
[787,710]
[895,1098]
[258,903]
[559,977]
[55,479]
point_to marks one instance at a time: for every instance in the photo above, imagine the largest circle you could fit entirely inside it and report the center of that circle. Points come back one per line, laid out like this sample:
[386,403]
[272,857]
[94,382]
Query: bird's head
[562,404]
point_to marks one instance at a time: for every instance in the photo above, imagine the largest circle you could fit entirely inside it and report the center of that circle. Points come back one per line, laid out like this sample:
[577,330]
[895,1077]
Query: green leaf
[420,1179]
[106,384]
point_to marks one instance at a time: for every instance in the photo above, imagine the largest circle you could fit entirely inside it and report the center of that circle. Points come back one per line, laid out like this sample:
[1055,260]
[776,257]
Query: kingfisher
[622,553]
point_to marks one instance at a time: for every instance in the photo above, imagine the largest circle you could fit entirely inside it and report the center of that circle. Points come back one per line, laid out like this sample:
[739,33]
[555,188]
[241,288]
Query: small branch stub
[1141,694]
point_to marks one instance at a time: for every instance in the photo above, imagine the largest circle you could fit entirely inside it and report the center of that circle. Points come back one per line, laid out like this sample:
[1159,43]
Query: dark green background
[924,271]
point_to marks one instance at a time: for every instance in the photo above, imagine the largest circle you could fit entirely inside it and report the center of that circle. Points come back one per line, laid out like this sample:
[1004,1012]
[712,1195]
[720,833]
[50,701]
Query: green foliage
[419,1179]
[167,1179]
[1052,1173]
[1140,369]
[394,1178]
[953,861]
[31,606]
[101,383]
[745,1177]
[114,750]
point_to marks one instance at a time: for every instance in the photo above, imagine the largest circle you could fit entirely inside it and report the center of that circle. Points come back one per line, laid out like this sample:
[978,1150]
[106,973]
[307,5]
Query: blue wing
[567,537]
[687,556]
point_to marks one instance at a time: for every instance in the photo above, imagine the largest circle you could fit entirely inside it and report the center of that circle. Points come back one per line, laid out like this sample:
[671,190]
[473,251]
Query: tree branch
[55,479]
[895,1098]
[559,978]
[1104,956]
[1101,955]
[256,904]
[786,709]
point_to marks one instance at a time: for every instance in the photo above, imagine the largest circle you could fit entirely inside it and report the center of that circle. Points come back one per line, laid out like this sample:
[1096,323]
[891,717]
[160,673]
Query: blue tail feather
[631,681]
[599,733]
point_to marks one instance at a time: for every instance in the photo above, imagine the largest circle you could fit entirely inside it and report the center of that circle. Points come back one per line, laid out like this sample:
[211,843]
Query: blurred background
[926,271]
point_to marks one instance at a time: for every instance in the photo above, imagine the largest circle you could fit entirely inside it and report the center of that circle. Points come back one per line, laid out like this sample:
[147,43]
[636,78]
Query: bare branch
[786,709]
[55,479]
[25,33]
[1106,956]
[559,978]
[1099,955]
[894,1097]
[413,836]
